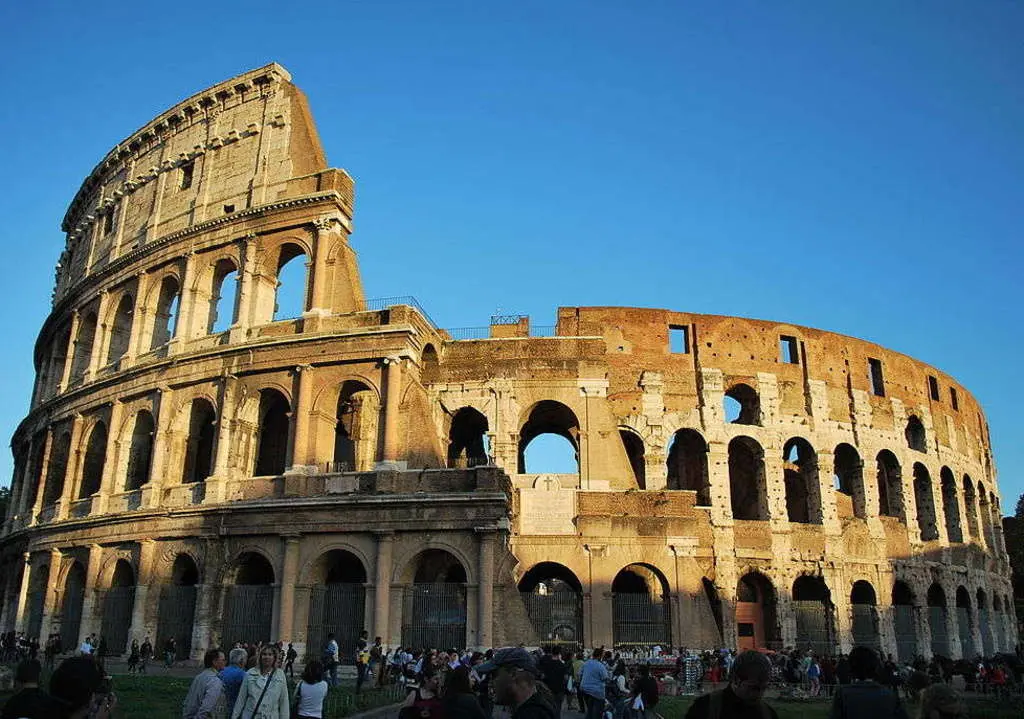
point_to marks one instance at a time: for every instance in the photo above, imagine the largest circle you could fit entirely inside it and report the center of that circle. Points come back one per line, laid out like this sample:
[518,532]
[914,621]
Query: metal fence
[940,636]
[865,626]
[336,608]
[906,634]
[381,303]
[963,622]
[641,619]
[434,616]
[117,618]
[557,618]
[814,627]
[177,616]
[248,609]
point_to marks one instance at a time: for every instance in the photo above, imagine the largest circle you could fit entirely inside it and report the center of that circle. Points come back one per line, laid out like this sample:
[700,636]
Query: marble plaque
[547,508]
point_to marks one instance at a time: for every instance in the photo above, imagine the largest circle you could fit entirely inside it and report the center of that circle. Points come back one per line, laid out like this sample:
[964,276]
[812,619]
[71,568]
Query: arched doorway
[937,620]
[557,456]
[984,624]
[814,613]
[40,578]
[95,458]
[803,491]
[641,609]
[140,451]
[337,602]
[903,621]
[272,435]
[553,597]
[178,605]
[117,608]
[865,615]
[964,624]
[687,465]
[202,434]
[355,428]
[249,601]
[467,439]
[71,606]
[747,484]
[757,625]
[434,605]
[634,447]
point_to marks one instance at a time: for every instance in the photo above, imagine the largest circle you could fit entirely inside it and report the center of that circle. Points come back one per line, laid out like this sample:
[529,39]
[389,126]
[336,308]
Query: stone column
[147,552]
[99,340]
[326,230]
[50,598]
[152,491]
[21,613]
[289,577]
[206,611]
[301,457]
[71,472]
[183,326]
[110,461]
[485,595]
[89,609]
[42,471]
[718,479]
[138,322]
[393,398]
[69,356]
[243,320]
[382,586]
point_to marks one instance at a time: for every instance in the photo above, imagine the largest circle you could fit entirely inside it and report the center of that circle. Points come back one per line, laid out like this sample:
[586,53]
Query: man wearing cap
[514,675]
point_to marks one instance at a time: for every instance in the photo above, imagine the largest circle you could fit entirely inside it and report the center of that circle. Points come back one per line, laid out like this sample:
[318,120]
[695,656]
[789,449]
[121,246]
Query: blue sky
[852,166]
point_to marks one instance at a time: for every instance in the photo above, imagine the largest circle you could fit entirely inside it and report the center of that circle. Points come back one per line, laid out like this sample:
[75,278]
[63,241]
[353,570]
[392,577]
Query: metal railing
[382,303]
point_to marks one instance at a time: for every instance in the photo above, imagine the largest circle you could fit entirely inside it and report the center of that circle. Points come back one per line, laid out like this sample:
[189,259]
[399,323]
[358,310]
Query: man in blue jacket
[593,678]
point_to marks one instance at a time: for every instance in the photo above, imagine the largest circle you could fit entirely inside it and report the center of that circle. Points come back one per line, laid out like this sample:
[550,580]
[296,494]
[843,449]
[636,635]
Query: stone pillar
[183,326]
[110,461]
[289,577]
[99,340]
[485,596]
[21,612]
[206,610]
[326,232]
[243,320]
[71,472]
[90,620]
[393,398]
[216,484]
[42,470]
[382,587]
[152,491]
[718,479]
[50,598]
[69,356]
[301,457]
[597,628]
[147,553]
[138,322]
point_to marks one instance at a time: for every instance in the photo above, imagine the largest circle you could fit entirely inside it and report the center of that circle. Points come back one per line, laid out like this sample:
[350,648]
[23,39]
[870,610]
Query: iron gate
[557,618]
[986,633]
[338,608]
[434,616]
[71,617]
[117,618]
[248,609]
[814,627]
[641,619]
[963,620]
[35,615]
[940,635]
[865,626]
[906,635]
[176,617]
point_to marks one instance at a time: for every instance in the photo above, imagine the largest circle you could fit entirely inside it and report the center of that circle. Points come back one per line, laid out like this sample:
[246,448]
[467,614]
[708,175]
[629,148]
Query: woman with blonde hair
[941,701]
[264,691]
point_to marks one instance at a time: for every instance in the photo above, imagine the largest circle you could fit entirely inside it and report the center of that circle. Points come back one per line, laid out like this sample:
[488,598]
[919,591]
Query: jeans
[595,706]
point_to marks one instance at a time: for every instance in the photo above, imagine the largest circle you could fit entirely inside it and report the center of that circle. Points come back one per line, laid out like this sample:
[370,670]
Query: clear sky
[853,166]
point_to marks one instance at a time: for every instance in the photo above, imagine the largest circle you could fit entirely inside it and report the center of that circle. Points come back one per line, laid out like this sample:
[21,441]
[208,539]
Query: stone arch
[357,415]
[915,435]
[434,606]
[925,502]
[687,464]
[865,614]
[71,603]
[222,307]
[747,481]
[757,624]
[165,311]
[549,417]
[121,329]
[985,517]
[553,597]
[273,429]
[84,343]
[94,460]
[937,610]
[467,438]
[904,620]
[56,473]
[742,404]
[970,507]
[38,582]
[950,506]
[118,601]
[848,473]
[140,450]
[803,490]
[337,599]
[890,486]
[289,253]
[641,606]
[248,598]
[815,614]
[200,441]
[178,596]
[633,445]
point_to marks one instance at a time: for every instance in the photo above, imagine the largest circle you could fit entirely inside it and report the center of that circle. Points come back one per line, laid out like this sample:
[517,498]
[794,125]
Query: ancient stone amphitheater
[194,466]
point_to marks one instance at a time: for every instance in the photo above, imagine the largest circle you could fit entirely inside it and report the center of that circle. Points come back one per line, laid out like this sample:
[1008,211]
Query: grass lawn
[977,708]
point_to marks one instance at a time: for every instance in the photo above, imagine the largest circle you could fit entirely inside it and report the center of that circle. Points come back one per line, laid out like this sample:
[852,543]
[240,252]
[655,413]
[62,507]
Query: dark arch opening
[165,320]
[117,608]
[272,435]
[849,478]
[863,593]
[969,507]
[202,435]
[249,600]
[292,279]
[550,418]
[965,623]
[40,579]
[337,601]
[688,465]
[950,506]
[178,605]
[95,459]
[757,625]
[634,447]
[865,615]
[434,610]
[890,485]
[937,620]
[467,439]
[742,405]
[354,427]
[553,597]
[746,480]
[431,368]
[83,347]
[915,435]
[140,452]
[815,621]
[925,502]
[800,473]
[71,606]
[60,453]
[223,307]
[904,621]
[641,615]
[121,329]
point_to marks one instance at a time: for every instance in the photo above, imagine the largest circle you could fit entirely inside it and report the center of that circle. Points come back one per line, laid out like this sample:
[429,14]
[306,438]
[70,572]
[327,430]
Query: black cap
[511,657]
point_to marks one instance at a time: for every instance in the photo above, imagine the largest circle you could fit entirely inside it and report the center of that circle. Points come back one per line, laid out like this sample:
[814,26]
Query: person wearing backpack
[743,698]
[331,660]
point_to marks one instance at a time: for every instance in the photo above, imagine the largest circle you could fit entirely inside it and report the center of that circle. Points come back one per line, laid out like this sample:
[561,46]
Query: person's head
[268,658]
[313,672]
[330,636]
[27,673]
[863,663]
[644,671]
[74,683]
[457,682]
[214,659]
[429,678]
[598,654]
[620,668]
[238,656]
[750,674]
[513,673]
[377,640]
[364,634]
[556,652]
[941,701]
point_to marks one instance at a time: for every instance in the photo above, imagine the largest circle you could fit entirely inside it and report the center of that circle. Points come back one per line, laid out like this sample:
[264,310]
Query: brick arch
[405,569]
[229,569]
[306,568]
[325,398]
[170,555]
[109,565]
[268,252]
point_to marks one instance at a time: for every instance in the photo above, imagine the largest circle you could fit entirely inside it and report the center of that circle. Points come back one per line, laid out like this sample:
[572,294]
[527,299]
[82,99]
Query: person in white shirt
[311,692]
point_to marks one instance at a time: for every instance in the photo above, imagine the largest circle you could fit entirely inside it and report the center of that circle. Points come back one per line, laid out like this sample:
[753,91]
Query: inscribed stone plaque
[547,508]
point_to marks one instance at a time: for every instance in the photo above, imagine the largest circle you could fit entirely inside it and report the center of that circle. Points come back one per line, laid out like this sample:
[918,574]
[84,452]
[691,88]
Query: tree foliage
[1013,534]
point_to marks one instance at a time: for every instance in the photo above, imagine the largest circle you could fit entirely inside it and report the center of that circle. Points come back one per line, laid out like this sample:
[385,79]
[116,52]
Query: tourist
[145,654]
[362,659]
[289,661]
[264,692]
[458,699]
[423,701]
[133,657]
[515,683]
[743,698]
[206,689]
[80,691]
[377,667]
[30,702]
[311,692]
[865,696]
[644,696]
[331,660]
[941,701]
[813,675]
[86,648]
[555,674]
[593,678]
[233,675]
[617,691]
[170,652]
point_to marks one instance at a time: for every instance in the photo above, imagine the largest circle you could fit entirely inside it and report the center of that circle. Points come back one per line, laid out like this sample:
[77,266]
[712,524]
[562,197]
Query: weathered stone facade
[213,485]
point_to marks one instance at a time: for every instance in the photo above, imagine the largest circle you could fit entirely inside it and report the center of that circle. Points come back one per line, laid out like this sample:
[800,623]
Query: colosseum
[196,465]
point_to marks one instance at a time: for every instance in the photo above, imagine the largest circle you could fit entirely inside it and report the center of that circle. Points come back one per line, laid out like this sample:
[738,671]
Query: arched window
[970,507]
[950,507]
[290,297]
[925,502]
[431,371]
[272,442]
[467,439]
[223,309]
[849,478]
[937,620]
[95,456]
[355,428]
[121,329]
[165,319]
[915,435]
[60,453]
[890,485]
[812,605]
[634,447]
[140,453]
[803,491]
[985,516]
[83,347]
[904,621]
[688,465]
[742,405]
[198,464]
[549,441]
[747,480]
